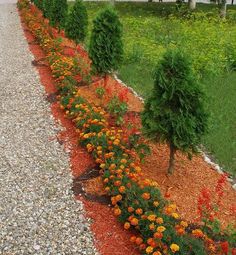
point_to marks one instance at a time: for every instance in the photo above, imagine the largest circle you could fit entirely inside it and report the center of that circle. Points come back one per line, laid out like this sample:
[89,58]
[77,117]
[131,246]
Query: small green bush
[58,13]
[77,22]
[175,113]
[106,47]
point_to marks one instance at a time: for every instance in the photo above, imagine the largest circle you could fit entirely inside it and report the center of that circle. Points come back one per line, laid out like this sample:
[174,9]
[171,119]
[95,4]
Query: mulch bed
[183,187]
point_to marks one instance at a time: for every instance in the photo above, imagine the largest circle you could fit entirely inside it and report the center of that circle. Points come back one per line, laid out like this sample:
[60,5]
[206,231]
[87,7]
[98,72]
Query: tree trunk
[172,158]
[149,1]
[232,2]
[192,4]
[222,7]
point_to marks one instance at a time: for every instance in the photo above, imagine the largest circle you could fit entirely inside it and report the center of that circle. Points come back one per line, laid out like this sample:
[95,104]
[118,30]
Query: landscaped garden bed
[92,119]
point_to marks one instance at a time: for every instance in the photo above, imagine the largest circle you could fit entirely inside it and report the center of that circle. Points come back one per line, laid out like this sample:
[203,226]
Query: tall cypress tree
[175,112]
[47,6]
[106,47]
[77,22]
[58,13]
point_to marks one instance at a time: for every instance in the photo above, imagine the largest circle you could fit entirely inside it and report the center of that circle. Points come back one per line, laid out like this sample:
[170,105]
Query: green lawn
[210,43]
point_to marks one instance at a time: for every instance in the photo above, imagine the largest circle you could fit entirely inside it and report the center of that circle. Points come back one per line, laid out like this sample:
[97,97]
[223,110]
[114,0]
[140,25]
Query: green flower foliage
[77,22]
[106,47]
[47,6]
[58,13]
[175,113]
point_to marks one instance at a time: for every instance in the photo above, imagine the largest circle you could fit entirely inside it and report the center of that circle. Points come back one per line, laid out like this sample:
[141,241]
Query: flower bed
[138,203]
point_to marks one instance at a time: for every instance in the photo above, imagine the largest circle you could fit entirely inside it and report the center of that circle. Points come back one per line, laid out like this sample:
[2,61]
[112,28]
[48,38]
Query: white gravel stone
[38,212]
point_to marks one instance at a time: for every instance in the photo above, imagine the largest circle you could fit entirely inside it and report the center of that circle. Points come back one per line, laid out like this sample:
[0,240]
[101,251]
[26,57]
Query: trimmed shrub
[77,22]
[47,6]
[106,47]
[58,13]
[175,113]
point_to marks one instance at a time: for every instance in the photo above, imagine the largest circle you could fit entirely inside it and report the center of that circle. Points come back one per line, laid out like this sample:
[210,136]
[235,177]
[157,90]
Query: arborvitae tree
[77,22]
[39,4]
[106,48]
[58,13]
[47,6]
[175,113]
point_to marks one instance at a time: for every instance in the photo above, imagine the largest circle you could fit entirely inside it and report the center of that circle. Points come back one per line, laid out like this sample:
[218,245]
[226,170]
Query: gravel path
[38,213]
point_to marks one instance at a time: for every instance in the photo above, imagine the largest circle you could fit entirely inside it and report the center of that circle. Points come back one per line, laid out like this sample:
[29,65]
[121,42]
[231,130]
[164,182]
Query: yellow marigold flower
[134,222]
[102,165]
[174,247]
[126,225]
[155,203]
[175,215]
[197,233]
[161,229]
[184,224]
[159,220]
[151,217]
[149,249]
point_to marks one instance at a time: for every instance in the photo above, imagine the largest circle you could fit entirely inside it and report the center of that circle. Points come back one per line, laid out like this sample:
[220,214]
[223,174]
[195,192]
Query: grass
[148,33]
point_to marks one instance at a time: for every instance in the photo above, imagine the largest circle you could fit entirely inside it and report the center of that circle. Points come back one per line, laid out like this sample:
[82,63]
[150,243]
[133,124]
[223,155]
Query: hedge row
[137,202]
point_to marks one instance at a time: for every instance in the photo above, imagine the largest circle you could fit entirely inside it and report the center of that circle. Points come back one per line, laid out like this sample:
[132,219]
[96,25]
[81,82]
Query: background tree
[192,4]
[106,47]
[58,13]
[77,22]
[175,113]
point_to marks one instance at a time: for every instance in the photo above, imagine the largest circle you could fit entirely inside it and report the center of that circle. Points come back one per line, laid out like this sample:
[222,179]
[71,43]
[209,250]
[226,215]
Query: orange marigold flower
[159,220]
[107,189]
[122,189]
[161,229]
[149,249]
[174,247]
[139,211]
[117,211]
[156,253]
[126,225]
[197,233]
[117,183]
[123,161]
[134,221]
[158,235]
[151,217]
[118,197]
[132,239]
[106,180]
[130,209]
[138,240]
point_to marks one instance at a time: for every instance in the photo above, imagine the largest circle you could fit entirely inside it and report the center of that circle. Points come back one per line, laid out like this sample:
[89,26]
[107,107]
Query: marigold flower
[134,221]
[174,247]
[102,166]
[117,211]
[139,211]
[122,189]
[161,229]
[151,217]
[117,183]
[175,215]
[156,253]
[152,226]
[155,203]
[149,249]
[184,224]
[197,233]
[126,225]
[138,240]
[118,197]
[130,209]
[159,220]
[158,235]
[142,246]
[132,239]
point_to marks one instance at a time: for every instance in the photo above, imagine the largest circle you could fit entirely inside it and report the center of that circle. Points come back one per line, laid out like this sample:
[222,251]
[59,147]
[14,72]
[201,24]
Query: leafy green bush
[106,48]
[47,6]
[58,13]
[77,22]
[175,113]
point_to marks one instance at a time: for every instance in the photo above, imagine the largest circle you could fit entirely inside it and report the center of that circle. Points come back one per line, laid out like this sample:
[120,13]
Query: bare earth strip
[38,213]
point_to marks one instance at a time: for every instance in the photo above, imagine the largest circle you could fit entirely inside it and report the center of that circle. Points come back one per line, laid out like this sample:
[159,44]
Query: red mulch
[184,186]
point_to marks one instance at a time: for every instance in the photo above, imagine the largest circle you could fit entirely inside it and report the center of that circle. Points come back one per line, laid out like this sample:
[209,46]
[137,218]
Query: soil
[183,187]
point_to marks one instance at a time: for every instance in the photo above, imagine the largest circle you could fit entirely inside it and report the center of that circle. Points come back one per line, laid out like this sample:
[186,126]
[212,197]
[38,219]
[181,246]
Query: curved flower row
[137,202]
